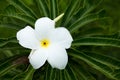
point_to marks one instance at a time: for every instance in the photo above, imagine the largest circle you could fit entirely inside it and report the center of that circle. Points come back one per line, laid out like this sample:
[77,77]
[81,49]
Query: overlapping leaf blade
[52,74]
[21,6]
[46,77]
[10,25]
[8,64]
[27,75]
[87,7]
[10,11]
[106,70]
[5,41]
[83,21]
[97,41]
[62,76]
[69,12]
[53,8]
[71,72]
[104,59]
[43,7]
[80,70]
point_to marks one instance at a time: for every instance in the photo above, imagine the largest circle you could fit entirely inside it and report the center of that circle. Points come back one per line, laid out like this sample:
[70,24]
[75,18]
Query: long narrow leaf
[97,41]
[87,7]
[62,76]
[69,12]
[10,11]
[9,63]
[54,9]
[24,18]
[52,74]
[5,68]
[27,75]
[67,75]
[20,5]
[83,21]
[5,41]
[71,72]
[81,72]
[106,70]
[43,7]
[104,59]
[10,25]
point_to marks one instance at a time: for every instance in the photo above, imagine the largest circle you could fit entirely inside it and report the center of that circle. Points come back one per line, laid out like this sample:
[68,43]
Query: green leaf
[71,72]
[97,41]
[27,75]
[7,32]
[24,18]
[104,59]
[116,74]
[88,6]
[106,70]
[10,11]
[21,6]
[52,74]
[43,7]
[67,75]
[62,76]
[69,12]
[5,41]
[6,67]
[57,74]
[46,77]
[7,45]
[10,25]
[8,64]
[83,21]
[81,71]
[53,8]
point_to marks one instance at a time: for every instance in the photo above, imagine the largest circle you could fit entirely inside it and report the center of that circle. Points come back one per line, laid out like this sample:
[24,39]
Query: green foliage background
[94,25]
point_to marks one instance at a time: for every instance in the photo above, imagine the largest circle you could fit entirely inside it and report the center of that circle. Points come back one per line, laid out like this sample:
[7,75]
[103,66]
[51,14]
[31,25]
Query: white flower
[47,43]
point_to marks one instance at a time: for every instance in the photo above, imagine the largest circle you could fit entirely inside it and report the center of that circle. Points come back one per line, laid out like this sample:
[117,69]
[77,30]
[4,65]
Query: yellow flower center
[44,43]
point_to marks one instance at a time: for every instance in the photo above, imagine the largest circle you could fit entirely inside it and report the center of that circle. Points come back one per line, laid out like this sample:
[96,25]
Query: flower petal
[37,58]
[57,57]
[27,38]
[62,36]
[43,26]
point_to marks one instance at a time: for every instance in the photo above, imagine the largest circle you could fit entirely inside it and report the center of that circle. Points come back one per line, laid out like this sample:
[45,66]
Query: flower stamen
[44,43]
